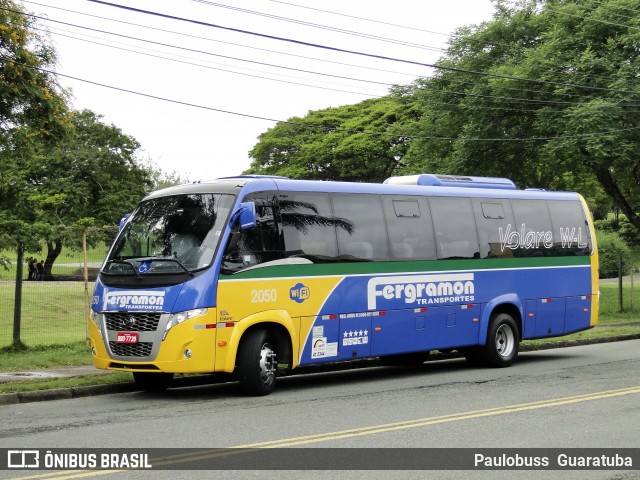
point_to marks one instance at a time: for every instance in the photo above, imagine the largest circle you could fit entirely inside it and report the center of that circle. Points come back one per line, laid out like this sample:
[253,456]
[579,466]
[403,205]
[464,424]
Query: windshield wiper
[188,272]
[125,262]
[164,259]
[142,260]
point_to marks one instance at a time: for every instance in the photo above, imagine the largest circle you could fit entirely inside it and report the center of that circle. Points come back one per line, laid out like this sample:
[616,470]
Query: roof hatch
[429,179]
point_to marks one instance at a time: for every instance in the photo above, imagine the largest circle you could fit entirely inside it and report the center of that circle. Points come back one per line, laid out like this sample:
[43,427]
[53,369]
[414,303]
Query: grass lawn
[609,304]
[73,382]
[71,354]
[52,313]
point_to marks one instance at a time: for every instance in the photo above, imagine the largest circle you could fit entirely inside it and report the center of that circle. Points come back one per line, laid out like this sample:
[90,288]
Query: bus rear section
[319,272]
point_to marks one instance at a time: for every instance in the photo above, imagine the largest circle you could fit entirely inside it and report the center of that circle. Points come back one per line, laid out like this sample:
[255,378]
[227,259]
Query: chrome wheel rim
[268,364]
[505,341]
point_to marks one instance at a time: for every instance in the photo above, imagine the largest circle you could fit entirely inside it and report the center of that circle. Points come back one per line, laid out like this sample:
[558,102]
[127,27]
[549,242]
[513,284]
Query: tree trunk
[603,174]
[54,247]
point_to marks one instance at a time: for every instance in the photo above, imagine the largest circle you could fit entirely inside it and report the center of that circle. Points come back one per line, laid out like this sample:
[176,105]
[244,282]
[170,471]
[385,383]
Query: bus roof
[419,185]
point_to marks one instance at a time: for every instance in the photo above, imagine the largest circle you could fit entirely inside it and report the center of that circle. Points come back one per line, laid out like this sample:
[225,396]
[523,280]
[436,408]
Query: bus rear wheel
[502,344]
[153,382]
[257,363]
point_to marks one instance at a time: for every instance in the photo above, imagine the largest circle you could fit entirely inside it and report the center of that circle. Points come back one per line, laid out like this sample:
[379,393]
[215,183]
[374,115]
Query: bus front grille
[132,322]
[140,349]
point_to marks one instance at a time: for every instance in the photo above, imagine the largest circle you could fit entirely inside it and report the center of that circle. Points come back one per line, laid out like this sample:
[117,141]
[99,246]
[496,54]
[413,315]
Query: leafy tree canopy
[87,181]
[33,111]
[92,179]
[546,93]
[31,102]
[362,142]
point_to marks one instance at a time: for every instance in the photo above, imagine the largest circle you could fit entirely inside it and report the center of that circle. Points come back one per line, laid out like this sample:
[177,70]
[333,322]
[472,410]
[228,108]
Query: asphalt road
[582,397]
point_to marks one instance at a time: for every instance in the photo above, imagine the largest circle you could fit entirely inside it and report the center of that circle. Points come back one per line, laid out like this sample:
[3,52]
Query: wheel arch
[510,304]
[279,325]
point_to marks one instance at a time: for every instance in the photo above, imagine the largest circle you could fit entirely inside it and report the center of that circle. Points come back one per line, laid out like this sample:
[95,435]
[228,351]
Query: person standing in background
[40,270]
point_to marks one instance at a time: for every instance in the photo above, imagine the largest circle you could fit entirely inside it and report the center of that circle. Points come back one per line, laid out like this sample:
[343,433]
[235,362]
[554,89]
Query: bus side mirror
[123,221]
[246,215]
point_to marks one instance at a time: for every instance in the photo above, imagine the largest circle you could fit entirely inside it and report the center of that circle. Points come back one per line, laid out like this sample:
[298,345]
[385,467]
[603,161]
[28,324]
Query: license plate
[127,337]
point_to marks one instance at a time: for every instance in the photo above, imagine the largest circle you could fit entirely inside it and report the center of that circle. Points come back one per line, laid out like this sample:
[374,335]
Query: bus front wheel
[257,363]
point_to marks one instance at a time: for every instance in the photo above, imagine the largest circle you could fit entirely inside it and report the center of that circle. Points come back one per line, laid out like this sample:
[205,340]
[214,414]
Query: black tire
[414,359]
[257,363]
[153,382]
[503,341]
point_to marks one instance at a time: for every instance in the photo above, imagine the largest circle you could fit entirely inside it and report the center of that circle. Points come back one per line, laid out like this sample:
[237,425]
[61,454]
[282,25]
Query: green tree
[546,93]
[33,110]
[31,102]
[91,179]
[614,255]
[361,142]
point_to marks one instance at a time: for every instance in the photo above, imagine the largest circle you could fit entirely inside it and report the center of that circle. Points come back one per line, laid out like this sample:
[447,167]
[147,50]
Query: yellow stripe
[70,474]
[442,419]
[595,267]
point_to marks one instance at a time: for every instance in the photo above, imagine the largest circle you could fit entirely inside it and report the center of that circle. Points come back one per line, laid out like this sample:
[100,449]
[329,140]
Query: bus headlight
[178,318]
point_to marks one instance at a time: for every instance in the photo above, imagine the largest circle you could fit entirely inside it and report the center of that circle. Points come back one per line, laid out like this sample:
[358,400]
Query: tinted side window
[455,227]
[260,244]
[570,228]
[308,226]
[360,227]
[532,234]
[493,219]
[410,229]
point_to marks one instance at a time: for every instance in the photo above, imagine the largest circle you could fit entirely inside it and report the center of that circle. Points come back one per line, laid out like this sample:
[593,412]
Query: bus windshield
[170,235]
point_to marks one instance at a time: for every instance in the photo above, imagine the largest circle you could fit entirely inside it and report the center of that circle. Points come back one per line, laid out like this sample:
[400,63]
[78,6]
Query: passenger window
[410,229]
[455,227]
[494,220]
[532,234]
[259,244]
[570,228]
[360,228]
[406,208]
[308,226]
[492,209]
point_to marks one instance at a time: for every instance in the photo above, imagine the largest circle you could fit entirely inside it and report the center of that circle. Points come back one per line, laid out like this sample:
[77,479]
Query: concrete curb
[104,389]
[65,393]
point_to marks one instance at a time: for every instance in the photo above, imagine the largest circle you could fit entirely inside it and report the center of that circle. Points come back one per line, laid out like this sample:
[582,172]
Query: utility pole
[17,306]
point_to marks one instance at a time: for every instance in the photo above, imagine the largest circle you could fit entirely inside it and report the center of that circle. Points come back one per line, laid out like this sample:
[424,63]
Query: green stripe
[364,268]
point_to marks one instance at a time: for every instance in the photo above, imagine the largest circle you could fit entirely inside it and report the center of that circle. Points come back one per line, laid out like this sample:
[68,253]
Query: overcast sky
[224,73]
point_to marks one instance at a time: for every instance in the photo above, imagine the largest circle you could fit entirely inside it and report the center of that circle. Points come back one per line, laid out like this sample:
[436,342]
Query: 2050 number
[264,296]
